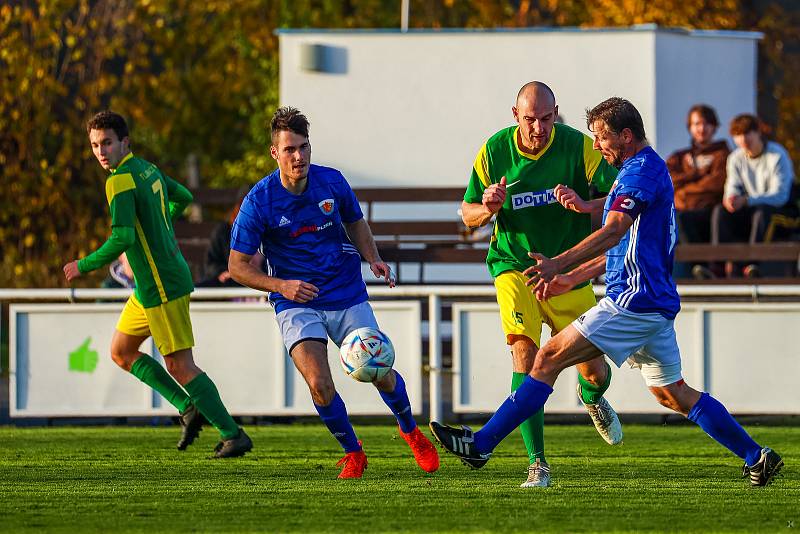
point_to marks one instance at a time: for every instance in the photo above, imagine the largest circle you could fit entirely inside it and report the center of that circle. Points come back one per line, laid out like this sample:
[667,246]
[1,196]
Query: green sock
[154,375]
[205,396]
[532,429]
[591,394]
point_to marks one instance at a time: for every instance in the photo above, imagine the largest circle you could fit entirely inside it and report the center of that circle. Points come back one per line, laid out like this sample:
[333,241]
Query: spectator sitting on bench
[215,270]
[758,185]
[698,175]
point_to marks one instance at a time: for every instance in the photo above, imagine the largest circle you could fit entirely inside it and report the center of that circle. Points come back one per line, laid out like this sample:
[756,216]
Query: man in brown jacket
[698,175]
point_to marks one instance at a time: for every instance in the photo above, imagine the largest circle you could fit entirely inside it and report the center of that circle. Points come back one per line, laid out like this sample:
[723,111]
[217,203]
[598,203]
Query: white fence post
[435,357]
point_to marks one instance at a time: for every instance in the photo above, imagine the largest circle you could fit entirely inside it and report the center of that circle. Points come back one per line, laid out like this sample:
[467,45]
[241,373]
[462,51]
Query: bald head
[537,92]
[535,112]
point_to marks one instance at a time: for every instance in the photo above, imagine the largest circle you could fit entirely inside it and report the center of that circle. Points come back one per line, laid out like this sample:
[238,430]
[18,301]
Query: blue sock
[528,399]
[398,402]
[715,420]
[335,418]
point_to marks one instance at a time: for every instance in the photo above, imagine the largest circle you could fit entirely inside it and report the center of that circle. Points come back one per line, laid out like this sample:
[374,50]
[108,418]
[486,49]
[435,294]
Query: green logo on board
[83,359]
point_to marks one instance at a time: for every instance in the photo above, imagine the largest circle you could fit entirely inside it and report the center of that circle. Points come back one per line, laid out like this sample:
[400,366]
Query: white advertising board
[60,364]
[746,355]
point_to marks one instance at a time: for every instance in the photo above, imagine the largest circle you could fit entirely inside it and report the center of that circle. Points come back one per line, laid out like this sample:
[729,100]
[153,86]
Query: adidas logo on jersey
[284,221]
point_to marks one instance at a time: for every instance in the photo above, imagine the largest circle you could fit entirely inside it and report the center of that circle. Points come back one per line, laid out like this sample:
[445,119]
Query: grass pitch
[115,479]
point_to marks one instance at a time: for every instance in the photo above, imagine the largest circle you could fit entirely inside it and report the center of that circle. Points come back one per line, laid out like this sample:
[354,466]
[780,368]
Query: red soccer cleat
[424,452]
[354,464]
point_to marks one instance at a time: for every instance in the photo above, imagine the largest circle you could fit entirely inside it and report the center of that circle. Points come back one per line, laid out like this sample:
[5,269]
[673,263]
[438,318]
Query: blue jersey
[639,267]
[302,237]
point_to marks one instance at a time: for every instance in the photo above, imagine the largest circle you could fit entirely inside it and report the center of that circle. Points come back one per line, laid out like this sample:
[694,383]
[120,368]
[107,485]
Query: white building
[412,109]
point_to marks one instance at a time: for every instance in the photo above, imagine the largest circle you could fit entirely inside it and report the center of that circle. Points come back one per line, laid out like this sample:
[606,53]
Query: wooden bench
[786,256]
[413,241]
[193,237]
[744,252]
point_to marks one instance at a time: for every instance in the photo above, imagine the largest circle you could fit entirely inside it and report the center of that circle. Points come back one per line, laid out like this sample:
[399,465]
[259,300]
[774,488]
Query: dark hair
[108,120]
[618,114]
[707,112]
[741,124]
[289,119]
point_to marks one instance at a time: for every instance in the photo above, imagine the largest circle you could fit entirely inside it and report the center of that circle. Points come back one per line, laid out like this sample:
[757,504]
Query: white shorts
[304,324]
[645,340]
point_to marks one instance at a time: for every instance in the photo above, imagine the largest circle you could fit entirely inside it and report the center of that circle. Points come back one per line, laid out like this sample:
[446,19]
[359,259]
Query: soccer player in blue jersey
[307,222]
[635,320]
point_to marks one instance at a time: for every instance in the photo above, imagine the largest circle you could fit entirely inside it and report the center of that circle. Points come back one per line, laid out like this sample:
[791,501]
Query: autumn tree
[198,82]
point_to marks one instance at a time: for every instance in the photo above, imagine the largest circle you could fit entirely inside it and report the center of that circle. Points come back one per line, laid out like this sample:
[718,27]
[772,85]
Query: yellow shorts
[521,314]
[169,324]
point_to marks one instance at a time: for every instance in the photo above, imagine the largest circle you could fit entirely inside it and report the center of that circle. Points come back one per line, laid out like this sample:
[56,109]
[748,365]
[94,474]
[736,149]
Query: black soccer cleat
[459,441]
[191,425]
[231,448]
[765,469]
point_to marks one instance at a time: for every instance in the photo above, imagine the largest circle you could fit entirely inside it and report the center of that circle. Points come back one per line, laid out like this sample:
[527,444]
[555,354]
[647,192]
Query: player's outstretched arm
[361,236]
[243,271]
[562,283]
[597,243]
[121,238]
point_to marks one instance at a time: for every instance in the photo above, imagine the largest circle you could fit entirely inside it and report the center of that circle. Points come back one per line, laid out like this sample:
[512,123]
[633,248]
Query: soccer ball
[366,354]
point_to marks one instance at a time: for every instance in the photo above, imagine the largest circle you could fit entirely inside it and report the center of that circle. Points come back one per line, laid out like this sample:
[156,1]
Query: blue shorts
[307,324]
[645,340]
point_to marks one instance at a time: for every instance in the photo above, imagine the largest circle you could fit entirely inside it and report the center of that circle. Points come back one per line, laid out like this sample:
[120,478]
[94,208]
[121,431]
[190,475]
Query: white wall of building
[412,109]
[717,68]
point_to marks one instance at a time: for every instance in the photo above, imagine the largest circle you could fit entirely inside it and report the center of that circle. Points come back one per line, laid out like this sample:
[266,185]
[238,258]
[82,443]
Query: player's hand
[570,199]
[383,270]
[560,284]
[545,269]
[298,291]
[494,196]
[71,271]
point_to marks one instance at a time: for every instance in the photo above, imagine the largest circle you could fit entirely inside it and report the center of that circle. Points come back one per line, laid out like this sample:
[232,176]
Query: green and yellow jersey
[531,218]
[143,201]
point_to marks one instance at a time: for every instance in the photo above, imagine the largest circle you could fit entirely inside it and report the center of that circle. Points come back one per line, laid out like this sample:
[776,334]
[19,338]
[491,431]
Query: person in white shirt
[759,183]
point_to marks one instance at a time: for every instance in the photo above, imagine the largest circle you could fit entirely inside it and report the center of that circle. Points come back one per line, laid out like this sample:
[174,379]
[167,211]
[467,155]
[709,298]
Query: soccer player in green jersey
[515,179]
[143,202]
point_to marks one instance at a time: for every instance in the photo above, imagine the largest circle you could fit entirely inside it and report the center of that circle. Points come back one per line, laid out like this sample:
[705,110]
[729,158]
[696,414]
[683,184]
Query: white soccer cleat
[605,419]
[538,475]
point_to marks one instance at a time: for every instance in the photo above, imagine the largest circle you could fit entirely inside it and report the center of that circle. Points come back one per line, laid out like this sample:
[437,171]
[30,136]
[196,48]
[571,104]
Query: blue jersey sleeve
[349,208]
[247,228]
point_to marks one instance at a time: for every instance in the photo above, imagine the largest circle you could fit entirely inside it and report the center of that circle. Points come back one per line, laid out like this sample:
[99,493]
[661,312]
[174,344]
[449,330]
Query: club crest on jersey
[326,206]
[534,198]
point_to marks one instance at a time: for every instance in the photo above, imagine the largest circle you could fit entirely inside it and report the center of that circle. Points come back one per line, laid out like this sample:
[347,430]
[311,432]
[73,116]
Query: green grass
[663,478]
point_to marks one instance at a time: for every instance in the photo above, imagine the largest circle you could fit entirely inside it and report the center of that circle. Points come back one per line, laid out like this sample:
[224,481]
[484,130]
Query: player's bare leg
[311,360]
[125,349]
